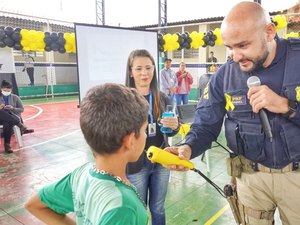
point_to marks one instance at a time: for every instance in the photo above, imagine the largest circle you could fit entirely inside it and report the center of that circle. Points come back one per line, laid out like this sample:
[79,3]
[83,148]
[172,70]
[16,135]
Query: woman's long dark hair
[129,82]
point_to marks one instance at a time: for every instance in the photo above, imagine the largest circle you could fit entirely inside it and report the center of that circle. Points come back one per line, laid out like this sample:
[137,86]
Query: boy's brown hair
[108,113]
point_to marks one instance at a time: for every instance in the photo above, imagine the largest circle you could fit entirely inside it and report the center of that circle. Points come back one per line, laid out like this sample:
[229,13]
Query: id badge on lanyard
[152,124]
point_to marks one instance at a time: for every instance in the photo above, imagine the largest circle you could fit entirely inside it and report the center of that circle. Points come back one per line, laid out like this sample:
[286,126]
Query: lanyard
[150,107]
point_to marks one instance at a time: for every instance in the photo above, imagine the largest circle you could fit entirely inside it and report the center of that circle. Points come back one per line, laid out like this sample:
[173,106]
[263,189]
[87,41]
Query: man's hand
[263,97]
[183,152]
[2,106]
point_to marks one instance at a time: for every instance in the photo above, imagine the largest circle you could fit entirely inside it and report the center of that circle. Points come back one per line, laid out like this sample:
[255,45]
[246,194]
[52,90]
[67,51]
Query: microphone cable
[165,158]
[221,192]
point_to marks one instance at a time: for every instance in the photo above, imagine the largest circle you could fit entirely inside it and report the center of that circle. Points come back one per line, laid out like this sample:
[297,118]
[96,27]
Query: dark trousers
[30,72]
[8,121]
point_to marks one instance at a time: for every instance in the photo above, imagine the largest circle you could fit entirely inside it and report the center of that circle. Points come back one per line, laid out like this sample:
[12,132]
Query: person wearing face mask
[11,108]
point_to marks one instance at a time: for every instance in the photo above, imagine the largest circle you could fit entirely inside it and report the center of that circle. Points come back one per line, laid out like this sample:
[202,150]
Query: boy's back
[113,120]
[97,196]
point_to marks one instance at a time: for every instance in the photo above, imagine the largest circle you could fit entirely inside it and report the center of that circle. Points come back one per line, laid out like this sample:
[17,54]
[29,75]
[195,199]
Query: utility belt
[238,164]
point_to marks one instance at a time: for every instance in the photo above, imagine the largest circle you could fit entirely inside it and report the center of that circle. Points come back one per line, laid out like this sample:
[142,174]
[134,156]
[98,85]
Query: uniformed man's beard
[258,61]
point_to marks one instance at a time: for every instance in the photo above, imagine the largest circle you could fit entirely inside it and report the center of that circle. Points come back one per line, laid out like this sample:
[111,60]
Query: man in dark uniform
[267,170]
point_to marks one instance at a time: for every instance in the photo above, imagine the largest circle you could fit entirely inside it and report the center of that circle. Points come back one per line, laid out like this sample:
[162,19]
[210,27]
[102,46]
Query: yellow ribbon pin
[229,104]
[297,89]
[184,129]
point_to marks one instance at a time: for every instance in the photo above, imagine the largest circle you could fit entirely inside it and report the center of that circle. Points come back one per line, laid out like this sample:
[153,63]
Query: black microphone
[254,81]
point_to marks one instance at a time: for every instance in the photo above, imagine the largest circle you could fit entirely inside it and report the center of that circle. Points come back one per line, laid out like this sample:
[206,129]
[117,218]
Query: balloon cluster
[209,39]
[161,42]
[171,42]
[197,39]
[70,45]
[212,38]
[186,40]
[55,42]
[61,42]
[10,37]
[279,21]
[32,40]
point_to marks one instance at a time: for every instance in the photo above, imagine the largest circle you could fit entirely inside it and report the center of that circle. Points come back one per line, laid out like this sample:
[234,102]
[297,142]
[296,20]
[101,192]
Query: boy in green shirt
[113,120]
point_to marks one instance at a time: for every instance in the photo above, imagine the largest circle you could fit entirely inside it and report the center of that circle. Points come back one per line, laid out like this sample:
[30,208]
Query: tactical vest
[243,129]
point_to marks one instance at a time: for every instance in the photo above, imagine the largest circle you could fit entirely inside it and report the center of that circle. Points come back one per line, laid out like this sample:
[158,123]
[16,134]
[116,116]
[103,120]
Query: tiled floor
[57,147]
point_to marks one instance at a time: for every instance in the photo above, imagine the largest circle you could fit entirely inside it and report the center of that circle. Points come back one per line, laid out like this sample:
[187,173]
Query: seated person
[113,120]
[11,108]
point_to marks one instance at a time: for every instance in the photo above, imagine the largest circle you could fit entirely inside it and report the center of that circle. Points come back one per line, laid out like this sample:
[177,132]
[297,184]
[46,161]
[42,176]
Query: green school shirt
[97,199]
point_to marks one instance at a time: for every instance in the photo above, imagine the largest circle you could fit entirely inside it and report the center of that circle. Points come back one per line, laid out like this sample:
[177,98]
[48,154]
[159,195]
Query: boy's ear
[128,141]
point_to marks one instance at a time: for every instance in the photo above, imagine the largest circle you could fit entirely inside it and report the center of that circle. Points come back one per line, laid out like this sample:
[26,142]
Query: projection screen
[102,53]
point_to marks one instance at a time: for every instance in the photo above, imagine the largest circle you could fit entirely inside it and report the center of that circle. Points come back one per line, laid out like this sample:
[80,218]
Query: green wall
[67,89]
[40,91]
[193,94]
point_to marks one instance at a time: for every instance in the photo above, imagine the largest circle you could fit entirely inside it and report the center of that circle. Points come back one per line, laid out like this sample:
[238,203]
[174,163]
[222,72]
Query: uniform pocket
[290,135]
[253,141]
[232,136]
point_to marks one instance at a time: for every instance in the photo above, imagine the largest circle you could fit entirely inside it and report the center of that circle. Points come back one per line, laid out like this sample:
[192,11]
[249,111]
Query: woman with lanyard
[150,179]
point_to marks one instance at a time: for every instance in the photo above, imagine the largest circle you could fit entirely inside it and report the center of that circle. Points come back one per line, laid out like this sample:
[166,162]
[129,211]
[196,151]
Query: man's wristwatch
[292,109]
